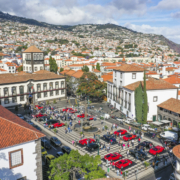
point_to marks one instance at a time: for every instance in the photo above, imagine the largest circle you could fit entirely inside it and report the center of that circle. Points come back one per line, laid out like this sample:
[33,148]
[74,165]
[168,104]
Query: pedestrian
[153,164]
[117,172]
[124,145]
[65,130]
[104,146]
[113,165]
[132,142]
[139,140]
[127,153]
[94,136]
[119,150]
[128,145]
[73,143]
[120,172]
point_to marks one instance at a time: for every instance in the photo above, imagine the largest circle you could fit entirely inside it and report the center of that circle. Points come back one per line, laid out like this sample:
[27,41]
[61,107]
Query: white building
[33,59]
[24,87]
[126,79]
[20,148]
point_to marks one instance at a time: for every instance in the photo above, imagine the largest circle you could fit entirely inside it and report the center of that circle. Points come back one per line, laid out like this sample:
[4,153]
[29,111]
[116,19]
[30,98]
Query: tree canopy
[61,69]
[98,66]
[90,85]
[85,68]
[67,166]
[20,68]
[53,65]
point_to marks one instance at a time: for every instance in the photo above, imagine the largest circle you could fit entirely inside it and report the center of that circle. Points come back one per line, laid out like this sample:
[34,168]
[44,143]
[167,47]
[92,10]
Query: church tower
[33,59]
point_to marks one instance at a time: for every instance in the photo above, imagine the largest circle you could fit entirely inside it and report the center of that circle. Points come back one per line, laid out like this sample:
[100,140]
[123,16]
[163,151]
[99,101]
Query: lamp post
[98,137]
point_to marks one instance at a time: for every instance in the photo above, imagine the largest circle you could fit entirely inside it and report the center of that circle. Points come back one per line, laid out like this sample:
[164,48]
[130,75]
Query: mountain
[97,29]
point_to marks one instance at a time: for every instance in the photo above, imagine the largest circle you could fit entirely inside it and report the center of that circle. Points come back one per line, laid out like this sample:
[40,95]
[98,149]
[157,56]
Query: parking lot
[74,135]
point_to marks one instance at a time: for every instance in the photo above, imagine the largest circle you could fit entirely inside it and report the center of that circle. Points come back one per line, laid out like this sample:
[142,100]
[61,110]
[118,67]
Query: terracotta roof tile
[175,79]
[71,72]
[106,77]
[110,80]
[129,68]
[14,130]
[32,49]
[78,74]
[95,70]
[171,105]
[176,151]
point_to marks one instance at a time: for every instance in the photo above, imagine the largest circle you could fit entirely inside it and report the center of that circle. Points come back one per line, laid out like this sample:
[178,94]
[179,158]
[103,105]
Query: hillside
[108,31]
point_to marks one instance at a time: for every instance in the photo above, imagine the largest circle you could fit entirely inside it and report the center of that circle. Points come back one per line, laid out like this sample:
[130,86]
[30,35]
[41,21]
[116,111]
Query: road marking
[54,147]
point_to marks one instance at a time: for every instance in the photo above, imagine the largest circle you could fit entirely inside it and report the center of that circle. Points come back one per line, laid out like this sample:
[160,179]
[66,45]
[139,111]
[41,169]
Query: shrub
[66,124]
[81,133]
[146,164]
[105,127]
[54,101]
[55,130]
[47,102]
[125,173]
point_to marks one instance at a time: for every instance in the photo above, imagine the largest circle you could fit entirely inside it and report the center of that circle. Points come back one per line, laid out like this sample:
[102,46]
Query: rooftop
[32,49]
[129,68]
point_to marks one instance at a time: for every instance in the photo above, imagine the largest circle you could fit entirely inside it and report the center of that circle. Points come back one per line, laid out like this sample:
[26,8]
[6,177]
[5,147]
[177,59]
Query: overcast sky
[148,16]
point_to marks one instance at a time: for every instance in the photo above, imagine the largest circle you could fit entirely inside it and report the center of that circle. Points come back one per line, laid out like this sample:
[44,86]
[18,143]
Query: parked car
[82,115]
[129,137]
[141,155]
[129,121]
[105,116]
[109,138]
[144,144]
[123,163]
[120,131]
[113,156]
[135,124]
[52,121]
[58,125]
[30,122]
[39,107]
[92,146]
[55,141]
[172,177]
[59,153]
[49,158]
[71,110]
[150,135]
[169,142]
[84,141]
[43,151]
[20,116]
[40,115]
[66,149]
[147,127]
[45,143]
[156,150]
[169,135]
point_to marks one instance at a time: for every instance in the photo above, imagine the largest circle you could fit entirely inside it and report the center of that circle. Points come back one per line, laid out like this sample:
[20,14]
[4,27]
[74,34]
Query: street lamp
[98,137]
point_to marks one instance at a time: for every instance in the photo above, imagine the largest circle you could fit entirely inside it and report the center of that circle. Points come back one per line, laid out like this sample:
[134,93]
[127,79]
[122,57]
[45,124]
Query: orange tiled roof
[71,72]
[10,64]
[32,49]
[151,72]
[14,130]
[106,77]
[152,84]
[175,79]
[171,105]
[78,74]
[95,70]
[2,69]
[110,80]
[129,68]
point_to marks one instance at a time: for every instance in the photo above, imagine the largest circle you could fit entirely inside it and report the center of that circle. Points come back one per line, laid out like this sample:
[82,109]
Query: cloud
[176,15]
[171,33]
[168,5]
[72,12]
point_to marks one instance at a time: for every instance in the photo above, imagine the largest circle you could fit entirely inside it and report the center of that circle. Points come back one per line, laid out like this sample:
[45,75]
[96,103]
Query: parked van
[169,135]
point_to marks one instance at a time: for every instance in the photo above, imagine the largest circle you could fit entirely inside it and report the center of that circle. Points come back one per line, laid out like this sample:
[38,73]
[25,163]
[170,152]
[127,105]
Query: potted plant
[81,133]
[55,130]
[105,127]
[66,124]
[146,164]
[47,102]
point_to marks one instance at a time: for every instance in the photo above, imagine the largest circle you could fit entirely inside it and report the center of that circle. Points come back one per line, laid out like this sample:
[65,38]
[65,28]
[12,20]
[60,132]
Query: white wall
[27,169]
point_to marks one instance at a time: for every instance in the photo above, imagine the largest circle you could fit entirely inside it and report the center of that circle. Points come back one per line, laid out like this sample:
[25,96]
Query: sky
[147,16]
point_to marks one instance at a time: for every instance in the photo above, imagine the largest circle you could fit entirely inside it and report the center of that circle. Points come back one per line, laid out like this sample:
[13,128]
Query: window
[51,93]
[62,84]
[155,99]
[57,85]
[41,68]
[6,101]
[6,93]
[13,90]
[14,99]
[45,94]
[50,85]
[57,92]
[133,75]
[21,89]
[121,75]
[39,95]
[35,69]
[38,87]
[21,98]
[62,91]
[15,158]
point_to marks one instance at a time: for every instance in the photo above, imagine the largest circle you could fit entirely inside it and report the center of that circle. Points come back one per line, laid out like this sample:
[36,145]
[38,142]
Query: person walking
[124,145]
[73,143]
[119,151]
[128,145]
[139,140]
[117,172]
[132,142]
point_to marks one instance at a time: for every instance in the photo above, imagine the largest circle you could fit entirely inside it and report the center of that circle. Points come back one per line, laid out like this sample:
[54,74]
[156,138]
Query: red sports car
[122,131]
[113,156]
[40,115]
[39,107]
[84,141]
[129,137]
[58,125]
[123,163]
[82,115]
[69,109]
[155,150]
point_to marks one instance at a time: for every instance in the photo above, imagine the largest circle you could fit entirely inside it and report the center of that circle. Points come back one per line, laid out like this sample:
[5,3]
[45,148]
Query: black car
[170,143]
[150,135]
[66,149]
[92,146]
[45,143]
[109,138]
[50,122]
[59,153]
[141,155]
[37,127]
[144,144]
[55,141]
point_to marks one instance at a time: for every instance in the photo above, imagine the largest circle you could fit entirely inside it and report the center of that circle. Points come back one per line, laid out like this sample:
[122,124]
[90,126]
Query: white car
[145,127]
[128,120]
[105,116]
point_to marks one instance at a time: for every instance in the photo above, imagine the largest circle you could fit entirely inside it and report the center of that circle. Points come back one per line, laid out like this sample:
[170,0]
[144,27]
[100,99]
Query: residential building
[20,148]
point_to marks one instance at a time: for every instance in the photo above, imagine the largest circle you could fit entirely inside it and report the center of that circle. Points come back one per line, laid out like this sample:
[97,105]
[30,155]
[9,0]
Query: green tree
[145,101]
[20,68]
[65,167]
[98,66]
[138,103]
[53,52]
[61,69]
[53,65]
[85,68]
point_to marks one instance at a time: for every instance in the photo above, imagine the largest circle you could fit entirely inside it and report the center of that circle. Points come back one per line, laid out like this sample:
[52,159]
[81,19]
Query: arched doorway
[159,117]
